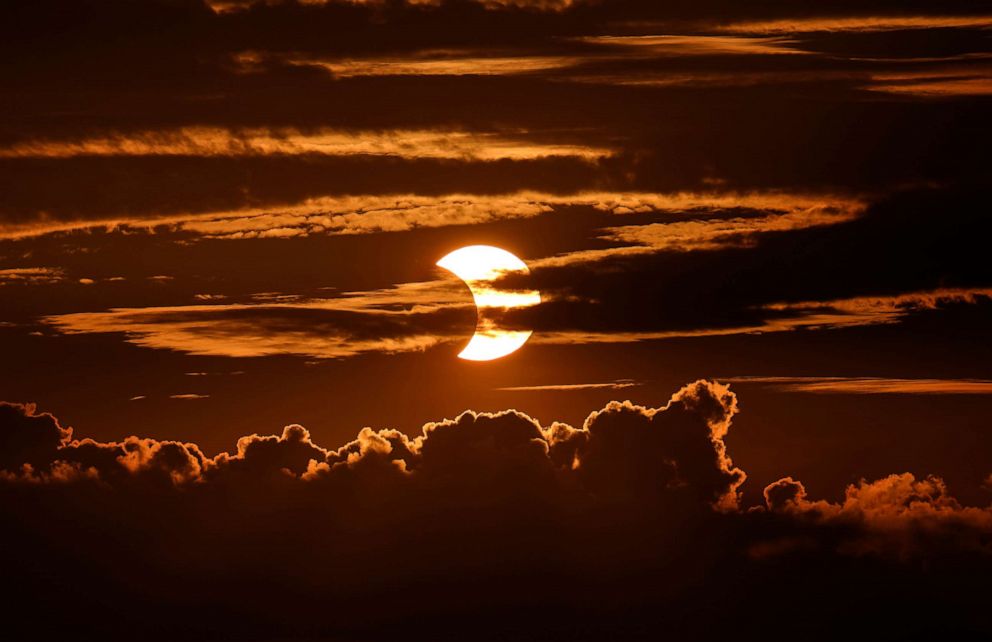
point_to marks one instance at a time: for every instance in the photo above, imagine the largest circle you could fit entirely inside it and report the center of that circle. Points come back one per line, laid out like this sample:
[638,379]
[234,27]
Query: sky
[231,385]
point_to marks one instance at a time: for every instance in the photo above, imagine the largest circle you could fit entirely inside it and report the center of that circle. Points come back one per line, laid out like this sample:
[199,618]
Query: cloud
[972,80]
[734,257]
[723,232]
[844,274]
[895,515]
[466,63]
[639,504]
[807,315]
[238,110]
[858,24]
[29,437]
[566,387]
[207,141]
[664,448]
[871,385]
[405,212]
[410,317]
[697,45]
[871,310]
[417,316]
[30,276]
[625,450]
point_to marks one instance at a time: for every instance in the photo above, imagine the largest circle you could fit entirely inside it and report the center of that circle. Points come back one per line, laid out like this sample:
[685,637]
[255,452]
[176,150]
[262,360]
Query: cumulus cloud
[626,449]
[622,450]
[896,515]
[487,514]
[29,437]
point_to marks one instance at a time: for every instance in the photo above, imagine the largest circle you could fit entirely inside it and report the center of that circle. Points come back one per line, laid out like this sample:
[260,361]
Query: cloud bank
[487,525]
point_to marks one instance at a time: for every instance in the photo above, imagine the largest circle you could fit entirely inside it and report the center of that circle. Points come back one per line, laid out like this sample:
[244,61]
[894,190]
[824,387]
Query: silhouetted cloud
[520,510]
[804,186]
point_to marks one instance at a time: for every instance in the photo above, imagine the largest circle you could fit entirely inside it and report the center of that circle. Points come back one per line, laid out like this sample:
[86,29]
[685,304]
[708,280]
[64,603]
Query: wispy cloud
[30,275]
[856,24]
[870,310]
[215,141]
[439,64]
[403,212]
[870,385]
[787,317]
[974,80]
[710,234]
[566,387]
[408,318]
[414,317]
[696,45]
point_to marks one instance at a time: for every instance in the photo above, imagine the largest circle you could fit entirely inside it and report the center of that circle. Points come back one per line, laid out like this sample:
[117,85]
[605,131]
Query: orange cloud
[872,385]
[833,314]
[216,141]
[856,24]
[31,276]
[952,81]
[402,212]
[693,45]
[567,387]
[897,515]
[439,64]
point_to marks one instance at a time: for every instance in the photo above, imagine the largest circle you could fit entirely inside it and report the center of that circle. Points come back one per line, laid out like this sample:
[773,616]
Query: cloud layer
[488,515]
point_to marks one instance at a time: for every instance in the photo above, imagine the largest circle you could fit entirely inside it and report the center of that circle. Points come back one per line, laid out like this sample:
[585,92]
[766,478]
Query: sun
[479,266]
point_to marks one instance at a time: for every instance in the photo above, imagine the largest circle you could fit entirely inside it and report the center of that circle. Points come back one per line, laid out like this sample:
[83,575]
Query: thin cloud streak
[856,24]
[679,45]
[452,65]
[30,276]
[567,387]
[973,81]
[870,385]
[213,141]
[873,310]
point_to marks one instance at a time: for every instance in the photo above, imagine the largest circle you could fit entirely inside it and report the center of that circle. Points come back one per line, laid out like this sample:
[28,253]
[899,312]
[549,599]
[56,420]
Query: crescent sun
[478,266]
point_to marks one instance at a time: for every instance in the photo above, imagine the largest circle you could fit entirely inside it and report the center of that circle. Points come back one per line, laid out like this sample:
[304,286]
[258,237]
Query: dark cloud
[29,438]
[663,449]
[735,115]
[542,532]
[916,240]
[111,188]
[347,145]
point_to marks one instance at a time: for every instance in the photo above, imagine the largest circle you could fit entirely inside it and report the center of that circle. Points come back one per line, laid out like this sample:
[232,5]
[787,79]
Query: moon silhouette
[478,266]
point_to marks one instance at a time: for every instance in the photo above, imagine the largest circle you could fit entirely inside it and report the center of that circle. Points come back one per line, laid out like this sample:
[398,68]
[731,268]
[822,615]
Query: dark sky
[222,217]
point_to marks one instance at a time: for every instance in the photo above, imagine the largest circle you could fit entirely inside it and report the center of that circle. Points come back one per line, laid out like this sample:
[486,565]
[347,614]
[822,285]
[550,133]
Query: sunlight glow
[478,266]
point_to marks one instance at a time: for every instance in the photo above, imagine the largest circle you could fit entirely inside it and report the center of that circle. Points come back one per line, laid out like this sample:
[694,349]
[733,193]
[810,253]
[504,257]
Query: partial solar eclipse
[478,266]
